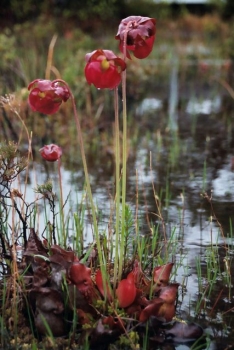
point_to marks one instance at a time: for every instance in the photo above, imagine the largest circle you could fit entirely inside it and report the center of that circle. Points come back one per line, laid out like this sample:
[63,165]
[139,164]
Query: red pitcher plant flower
[140,35]
[51,152]
[46,96]
[103,69]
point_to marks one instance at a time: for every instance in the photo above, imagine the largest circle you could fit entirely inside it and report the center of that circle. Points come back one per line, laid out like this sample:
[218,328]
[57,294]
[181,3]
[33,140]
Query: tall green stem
[124,158]
[88,186]
[61,202]
[117,184]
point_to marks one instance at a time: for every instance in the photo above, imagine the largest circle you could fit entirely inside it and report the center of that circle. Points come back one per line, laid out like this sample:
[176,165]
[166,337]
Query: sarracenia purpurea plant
[104,70]
[61,280]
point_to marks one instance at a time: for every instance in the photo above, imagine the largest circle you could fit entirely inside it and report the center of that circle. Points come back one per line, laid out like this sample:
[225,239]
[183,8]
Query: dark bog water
[181,140]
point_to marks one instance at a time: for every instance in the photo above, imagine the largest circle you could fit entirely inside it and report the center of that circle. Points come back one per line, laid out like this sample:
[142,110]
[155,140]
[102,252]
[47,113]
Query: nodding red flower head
[103,69]
[51,152]
[140,35]
[46,96]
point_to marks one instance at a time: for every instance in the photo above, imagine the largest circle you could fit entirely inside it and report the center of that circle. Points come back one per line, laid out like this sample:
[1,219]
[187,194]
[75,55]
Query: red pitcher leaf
[126,293]
[138,304]
[41,274]
[133,310]
[80,275]
[49,311]
[34,245]
[45,320]
[61,259]
[169,293]
[80,300]
[99,282]
[162,273]
[48,300]
[136,274]
[112,323]
[166,312]
[151,310]
[68,255]
[102,335]
[84,317]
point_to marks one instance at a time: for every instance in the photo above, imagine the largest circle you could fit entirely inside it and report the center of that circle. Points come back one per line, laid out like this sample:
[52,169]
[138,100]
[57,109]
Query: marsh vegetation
[179,181]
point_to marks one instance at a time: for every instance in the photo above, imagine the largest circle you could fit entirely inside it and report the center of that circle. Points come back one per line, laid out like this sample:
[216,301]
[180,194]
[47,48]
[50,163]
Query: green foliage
[130,340]
[7,48]
[101,8]
[30,8]
[45,189]
[82,10]
[229,42]
[11,165]
[17,68]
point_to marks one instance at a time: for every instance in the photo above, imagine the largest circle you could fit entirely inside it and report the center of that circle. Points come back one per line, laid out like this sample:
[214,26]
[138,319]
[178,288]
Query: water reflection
[223,183]
[204,106]
[149,105]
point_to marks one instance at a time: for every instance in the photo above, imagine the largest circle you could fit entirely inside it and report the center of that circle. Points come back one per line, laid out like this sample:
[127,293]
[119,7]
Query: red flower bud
[46,96]
[140,35]
[51,152]
[103,69]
